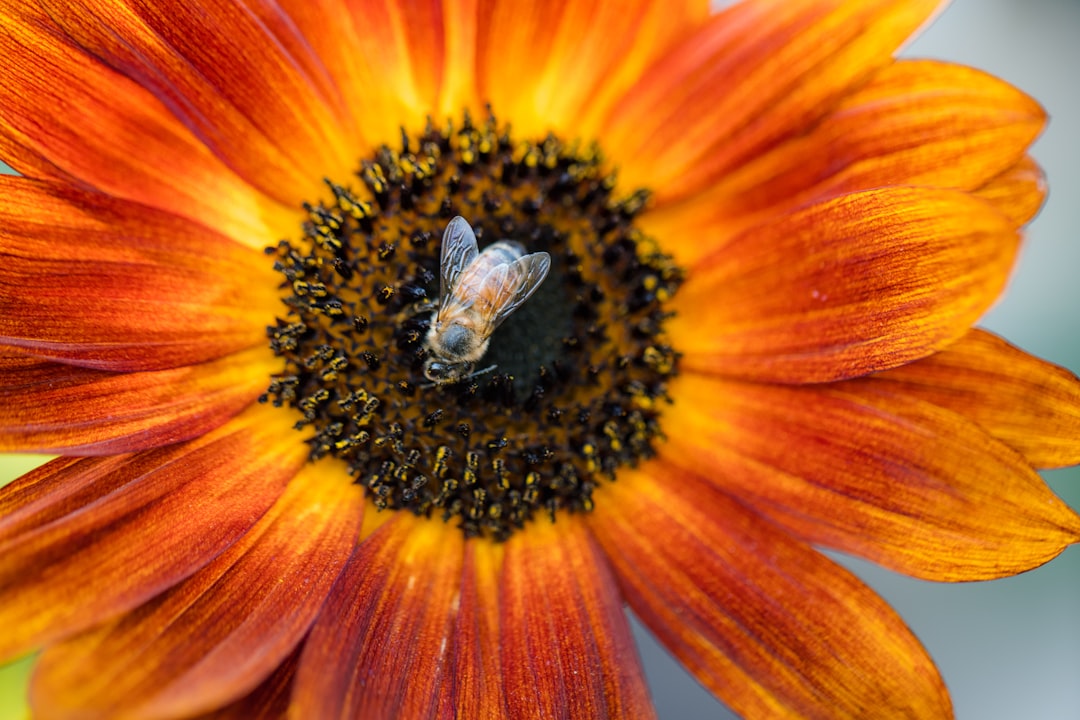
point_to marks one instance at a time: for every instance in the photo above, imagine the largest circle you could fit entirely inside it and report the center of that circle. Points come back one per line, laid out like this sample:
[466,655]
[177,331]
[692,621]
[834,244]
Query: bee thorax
[454,340]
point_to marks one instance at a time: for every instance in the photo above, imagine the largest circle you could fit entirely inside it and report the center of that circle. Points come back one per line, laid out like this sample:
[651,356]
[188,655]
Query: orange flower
[769,242]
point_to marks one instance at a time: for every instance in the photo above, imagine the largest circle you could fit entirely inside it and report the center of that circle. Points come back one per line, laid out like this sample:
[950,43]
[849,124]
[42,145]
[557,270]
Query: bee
[477,292]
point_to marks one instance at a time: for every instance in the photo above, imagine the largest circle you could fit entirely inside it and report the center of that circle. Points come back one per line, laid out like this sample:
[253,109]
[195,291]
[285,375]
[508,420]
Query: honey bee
[477,292]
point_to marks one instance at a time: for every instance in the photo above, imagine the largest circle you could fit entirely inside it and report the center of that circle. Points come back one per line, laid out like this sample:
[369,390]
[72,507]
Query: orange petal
[580,55]
[1018,192]
[113,532]
[105,283]
[914,123]
[852,285]
[873,472]
[216,636]
[388,622]
[113,135]
[756,74]
[386,58]
[477,678]
[269,701]
[566,646]
[769,625]
[46,407]
[262,101]
[1027,403]
[458,91]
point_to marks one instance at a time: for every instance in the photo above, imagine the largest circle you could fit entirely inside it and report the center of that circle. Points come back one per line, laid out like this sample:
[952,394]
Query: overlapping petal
[105,530]
[114,136]
[387,624]
[755,74]
[852,285]
[1018,192]
[581,56]
[566,646]
[269,701]
[217,635]
[1031,405]
[768,624]
[47,407]
[390,62]
[914,123]
[873,472]
[247,85]
[104,283]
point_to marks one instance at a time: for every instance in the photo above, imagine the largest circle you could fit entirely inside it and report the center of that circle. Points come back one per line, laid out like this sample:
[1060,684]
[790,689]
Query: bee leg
[428,386]
[481,372]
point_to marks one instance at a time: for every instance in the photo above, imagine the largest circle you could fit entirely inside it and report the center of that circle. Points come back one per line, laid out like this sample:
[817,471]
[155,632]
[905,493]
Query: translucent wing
[517,281]
[458,252]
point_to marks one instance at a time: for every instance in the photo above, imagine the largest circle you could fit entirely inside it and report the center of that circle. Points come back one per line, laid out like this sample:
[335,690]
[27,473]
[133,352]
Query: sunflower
[226,271]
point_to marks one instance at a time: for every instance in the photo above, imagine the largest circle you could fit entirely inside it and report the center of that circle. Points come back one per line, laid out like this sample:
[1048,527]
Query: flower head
[759,246]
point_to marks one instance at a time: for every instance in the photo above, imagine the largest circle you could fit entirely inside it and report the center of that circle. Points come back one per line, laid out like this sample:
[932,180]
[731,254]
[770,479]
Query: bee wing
[458,252]
[516,281]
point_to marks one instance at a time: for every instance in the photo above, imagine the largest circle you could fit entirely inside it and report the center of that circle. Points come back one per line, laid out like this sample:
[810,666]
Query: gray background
[1009,649]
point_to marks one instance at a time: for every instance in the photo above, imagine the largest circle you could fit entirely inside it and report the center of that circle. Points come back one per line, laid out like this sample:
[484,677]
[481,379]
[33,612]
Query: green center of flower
[572,382]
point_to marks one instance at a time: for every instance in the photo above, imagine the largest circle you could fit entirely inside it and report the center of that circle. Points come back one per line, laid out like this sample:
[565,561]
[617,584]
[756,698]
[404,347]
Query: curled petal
[219,634]
[113,135]
[104,283]
[103,529]
[849,286]
[1018,192]
[51,408]
[388,622]
[871,471]
[769,625]
[914,123]
[566,646]
[755,74]
[1028,403]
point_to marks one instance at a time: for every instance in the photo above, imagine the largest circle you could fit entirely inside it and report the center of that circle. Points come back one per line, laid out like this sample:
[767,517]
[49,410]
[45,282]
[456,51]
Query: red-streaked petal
[856,284]
[387,623]
[477,677]
[242,78]
[1018,192]
[573,49]
[756,74]
[769,625]
[105,530]
[95,281]
[566,646]
[46,407]
[915,123]
[269,701]
[112,135]
[217,635]
[1031,405]
[855,466]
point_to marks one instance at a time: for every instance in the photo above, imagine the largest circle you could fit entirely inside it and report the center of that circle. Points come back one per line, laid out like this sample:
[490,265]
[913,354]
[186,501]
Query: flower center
[572,382]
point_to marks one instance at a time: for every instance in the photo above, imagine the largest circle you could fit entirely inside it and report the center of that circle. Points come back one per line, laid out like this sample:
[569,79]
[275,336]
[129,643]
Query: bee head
[440,372]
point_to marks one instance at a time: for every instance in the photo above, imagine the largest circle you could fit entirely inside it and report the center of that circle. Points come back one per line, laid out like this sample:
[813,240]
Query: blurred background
[1011,648]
